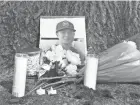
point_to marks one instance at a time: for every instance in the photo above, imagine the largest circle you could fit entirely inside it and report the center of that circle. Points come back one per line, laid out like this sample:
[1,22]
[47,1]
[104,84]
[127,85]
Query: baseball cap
[64,25]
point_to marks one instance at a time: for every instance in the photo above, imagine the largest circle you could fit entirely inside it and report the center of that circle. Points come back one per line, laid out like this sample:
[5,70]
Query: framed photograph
[48,35]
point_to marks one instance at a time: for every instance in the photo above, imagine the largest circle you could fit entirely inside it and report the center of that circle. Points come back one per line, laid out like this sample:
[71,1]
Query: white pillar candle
[19,81]
[90,74]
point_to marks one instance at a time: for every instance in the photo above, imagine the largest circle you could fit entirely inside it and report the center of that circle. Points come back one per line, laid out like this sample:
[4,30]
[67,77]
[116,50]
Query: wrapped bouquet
[60,61]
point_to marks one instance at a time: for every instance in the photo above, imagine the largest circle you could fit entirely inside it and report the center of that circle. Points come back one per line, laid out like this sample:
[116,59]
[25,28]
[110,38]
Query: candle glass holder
[20,70]
[90,74]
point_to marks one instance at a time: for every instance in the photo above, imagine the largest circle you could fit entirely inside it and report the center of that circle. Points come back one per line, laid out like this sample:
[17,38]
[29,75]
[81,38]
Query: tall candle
[90,74]
[20,75]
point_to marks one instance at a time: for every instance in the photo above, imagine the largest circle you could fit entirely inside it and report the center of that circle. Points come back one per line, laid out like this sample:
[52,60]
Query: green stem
[60,77]
[63,81]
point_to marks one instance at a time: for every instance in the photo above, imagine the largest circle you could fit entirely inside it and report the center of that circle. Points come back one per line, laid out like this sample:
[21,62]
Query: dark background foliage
[107,23]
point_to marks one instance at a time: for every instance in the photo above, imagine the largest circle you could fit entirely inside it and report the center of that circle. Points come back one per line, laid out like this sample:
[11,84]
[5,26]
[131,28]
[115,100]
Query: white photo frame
[48,31]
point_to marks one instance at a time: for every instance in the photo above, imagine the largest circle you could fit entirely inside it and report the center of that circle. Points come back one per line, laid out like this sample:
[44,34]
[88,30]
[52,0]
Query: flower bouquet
[59,67]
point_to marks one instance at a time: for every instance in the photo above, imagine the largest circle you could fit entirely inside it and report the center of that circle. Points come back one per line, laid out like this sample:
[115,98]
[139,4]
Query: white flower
[60,51]
[56,54]
[40,91]
[50,55]
[64,63]
[71,69]
[58,58]
[72,57]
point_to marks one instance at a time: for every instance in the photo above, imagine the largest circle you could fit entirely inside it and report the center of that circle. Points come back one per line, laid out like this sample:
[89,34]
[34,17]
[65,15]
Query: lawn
[105,94]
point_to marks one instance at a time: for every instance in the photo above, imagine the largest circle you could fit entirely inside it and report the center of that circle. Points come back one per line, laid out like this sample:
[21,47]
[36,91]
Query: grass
[105,94]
